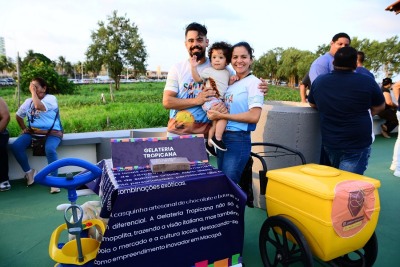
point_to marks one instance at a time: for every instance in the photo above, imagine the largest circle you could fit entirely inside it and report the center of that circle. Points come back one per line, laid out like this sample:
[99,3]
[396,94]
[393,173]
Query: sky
[63,27]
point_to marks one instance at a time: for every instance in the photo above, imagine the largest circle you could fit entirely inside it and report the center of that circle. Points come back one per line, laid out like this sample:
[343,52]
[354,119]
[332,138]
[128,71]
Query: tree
[117,45]
[267,65]
[61,64]
[6,64]
[38,65]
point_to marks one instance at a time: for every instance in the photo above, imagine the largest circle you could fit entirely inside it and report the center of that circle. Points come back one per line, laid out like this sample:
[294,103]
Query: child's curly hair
[226,50]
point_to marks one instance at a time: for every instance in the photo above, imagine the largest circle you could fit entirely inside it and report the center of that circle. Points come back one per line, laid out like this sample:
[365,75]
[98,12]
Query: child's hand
[193,61]
[233,79]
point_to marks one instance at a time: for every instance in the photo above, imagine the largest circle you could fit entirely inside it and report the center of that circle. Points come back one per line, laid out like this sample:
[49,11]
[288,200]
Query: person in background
[395,166]
[305,87]
[244,101]
[4,137]
[389,113]
[360,65]
[42,113]
[345,101]
[323,64]
[183,96]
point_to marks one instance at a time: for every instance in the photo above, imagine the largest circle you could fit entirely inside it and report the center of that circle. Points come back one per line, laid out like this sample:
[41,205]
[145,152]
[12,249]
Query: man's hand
[205,95]
[263,86]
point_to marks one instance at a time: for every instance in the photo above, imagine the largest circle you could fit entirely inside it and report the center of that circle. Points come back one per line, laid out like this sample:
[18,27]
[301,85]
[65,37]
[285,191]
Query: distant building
[2,47]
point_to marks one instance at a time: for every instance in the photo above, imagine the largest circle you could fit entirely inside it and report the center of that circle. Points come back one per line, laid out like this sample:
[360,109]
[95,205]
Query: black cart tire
[364,257]
[274,240]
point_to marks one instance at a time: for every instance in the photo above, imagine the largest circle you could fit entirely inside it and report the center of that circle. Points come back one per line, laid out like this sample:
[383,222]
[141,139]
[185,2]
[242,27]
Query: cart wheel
[281,238]
[360,258]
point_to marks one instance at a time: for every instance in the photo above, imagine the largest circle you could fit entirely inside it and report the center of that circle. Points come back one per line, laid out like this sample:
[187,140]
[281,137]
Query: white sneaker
[396,173]
[5,186]
[392,167]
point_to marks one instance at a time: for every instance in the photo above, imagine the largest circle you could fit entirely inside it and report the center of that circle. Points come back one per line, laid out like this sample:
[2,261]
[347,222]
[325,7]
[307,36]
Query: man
[344,100]
[305,87]
[360,65]
[323,64]
[183,96]
[4,136]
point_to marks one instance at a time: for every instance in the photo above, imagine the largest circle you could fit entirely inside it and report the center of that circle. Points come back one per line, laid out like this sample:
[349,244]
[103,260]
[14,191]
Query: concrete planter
[293,124]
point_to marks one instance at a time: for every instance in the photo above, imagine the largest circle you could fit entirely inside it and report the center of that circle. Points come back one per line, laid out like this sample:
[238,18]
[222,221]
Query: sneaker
[54,190]
[210,150]
[30,177]
[396,173]
[218,143]
[5,186]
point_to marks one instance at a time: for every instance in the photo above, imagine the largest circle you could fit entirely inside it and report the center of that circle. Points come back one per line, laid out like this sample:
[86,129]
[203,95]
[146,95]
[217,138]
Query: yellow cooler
[336,211]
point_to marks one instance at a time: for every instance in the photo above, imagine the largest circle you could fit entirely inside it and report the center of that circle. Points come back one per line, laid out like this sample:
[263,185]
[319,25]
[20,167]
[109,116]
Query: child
[218,78]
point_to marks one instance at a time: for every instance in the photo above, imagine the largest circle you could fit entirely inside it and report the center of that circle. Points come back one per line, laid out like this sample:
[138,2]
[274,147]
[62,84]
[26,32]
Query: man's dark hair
[194,26]
[226,50]
[345,58]
[340,35]
[361,56]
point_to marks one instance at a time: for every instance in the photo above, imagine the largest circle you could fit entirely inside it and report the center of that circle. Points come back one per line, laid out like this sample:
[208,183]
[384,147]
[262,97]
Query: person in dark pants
[4,136]
[389,113]
[345,101]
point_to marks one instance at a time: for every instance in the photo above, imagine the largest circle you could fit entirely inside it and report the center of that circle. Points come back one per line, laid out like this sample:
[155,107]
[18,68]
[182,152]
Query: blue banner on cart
[177,219]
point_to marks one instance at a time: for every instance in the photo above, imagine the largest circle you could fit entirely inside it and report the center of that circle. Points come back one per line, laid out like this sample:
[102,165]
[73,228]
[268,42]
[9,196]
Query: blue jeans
[352,160]
[24,141]
[233,161]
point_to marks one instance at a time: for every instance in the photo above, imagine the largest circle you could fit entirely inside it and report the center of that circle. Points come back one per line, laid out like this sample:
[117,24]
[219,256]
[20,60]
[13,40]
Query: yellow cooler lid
[318,180]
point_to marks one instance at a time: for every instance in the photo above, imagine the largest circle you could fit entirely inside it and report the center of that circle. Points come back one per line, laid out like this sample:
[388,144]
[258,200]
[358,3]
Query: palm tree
[61,64]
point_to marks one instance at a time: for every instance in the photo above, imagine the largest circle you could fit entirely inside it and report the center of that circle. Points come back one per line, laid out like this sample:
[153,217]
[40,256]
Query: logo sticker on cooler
[352,206]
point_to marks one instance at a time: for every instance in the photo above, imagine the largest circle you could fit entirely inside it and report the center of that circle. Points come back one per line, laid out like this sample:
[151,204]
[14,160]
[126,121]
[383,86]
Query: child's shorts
[208,105]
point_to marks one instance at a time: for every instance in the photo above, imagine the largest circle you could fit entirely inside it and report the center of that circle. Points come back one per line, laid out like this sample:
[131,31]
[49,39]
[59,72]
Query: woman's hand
[220,107]
[213,115]
[27,130]
[32,89]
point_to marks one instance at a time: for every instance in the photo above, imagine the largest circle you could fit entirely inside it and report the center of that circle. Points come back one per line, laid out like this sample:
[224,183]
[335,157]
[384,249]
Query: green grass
[135,105]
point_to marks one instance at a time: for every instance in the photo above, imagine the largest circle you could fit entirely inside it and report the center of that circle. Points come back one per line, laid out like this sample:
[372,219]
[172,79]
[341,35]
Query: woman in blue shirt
[41,112]
[244,102]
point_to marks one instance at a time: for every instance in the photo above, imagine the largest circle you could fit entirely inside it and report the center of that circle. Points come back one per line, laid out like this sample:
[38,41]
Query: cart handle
[279,151]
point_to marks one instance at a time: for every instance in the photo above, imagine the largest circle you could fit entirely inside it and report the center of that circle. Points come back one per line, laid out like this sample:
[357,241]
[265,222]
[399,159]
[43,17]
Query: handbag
[38,143]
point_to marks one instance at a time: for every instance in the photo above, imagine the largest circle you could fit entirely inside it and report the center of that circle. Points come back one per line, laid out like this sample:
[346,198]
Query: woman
[41,111]
[244,102]
[389,113]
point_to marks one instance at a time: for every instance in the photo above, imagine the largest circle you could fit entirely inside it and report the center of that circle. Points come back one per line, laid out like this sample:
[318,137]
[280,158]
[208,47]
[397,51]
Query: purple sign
[137,152]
